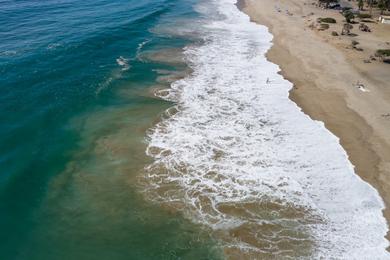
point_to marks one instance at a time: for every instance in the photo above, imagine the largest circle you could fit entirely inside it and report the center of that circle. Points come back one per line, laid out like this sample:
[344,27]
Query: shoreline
[322,70]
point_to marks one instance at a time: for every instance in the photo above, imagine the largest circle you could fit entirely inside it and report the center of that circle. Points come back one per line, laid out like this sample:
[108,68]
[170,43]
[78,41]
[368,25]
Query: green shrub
[354,43]
[349,16]
[324,26]
[334,33]
[327,20]
[364,16]
[383,53]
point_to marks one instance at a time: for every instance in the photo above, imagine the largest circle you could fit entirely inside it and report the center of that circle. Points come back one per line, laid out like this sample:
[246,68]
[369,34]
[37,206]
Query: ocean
[158,130]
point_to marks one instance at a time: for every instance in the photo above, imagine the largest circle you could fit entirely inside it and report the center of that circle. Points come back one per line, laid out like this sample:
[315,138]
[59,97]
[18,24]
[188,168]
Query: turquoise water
[74,107]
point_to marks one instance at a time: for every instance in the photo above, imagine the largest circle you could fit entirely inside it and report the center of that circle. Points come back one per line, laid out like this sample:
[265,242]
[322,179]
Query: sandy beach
[324,70]
[184,130]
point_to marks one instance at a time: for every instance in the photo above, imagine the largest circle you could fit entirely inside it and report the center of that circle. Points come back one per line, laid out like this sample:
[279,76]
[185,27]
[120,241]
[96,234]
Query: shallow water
[75,104]
[234,169]
[241,158]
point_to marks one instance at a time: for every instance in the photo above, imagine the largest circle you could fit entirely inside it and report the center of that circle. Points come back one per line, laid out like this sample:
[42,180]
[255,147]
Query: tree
[382,5]
[360,4]
[370,3]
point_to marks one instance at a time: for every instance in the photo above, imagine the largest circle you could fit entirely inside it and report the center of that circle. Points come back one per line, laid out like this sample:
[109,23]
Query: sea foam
[237,155]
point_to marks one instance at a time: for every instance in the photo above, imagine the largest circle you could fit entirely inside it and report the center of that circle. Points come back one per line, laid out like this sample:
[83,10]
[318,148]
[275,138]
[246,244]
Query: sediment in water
[240,157]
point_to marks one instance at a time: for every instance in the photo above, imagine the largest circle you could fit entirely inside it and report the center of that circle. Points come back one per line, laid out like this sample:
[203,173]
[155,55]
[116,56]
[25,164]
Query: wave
[237,155]
[123,62]
[140,48]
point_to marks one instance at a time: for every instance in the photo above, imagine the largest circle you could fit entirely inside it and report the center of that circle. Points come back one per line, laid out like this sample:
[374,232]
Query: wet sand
[324,69]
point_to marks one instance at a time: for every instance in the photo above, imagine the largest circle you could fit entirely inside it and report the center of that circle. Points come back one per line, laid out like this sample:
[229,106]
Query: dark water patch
[93,209]
[73,121]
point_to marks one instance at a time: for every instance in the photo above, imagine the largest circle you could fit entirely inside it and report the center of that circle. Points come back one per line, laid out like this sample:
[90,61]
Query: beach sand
[324,70]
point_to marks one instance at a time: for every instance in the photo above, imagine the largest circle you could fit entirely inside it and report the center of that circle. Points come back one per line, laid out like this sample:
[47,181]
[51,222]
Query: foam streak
[240,157]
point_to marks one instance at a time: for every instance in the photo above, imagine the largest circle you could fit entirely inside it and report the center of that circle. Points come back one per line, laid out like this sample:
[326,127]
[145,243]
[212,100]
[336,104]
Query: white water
[124,63]
[236,141]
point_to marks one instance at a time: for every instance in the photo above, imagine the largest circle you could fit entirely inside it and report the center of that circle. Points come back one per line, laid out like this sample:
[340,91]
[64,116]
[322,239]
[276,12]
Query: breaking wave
[237,155]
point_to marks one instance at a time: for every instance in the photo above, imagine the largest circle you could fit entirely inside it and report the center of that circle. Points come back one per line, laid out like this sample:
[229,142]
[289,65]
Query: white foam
[140,47]
[54,46]
[8,53]
[123,62]
[238,139]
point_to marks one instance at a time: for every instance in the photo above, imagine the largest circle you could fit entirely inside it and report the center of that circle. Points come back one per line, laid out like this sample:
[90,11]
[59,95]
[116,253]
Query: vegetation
[364,28]
[324,26]
[346,29]
[364,16]
[370,3]
[327,20]
[382,5]
[349,16]
[346,8]
[355,45]
[360,4]
[334,33]
[383,53]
